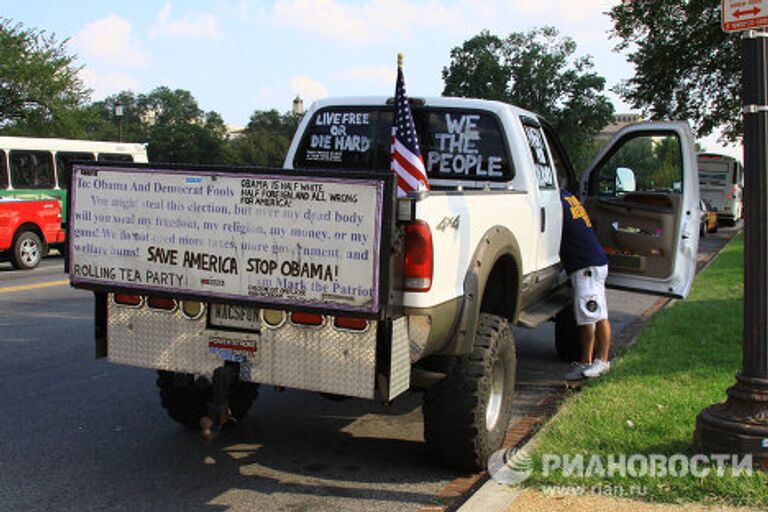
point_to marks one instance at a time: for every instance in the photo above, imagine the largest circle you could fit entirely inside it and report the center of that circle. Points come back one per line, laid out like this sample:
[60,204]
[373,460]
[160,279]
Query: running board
[546,309]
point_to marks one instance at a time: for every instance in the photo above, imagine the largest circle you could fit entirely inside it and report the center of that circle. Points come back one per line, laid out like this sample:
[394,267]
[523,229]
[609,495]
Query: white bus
[721,181]
[34,168]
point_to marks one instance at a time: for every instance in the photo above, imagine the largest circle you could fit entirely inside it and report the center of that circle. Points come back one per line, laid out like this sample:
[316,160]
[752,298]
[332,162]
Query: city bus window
[3,172]
[32,169]
[64,161]
[114,157]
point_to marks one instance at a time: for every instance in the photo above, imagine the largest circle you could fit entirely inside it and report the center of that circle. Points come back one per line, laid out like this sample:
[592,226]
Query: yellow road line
[23,287]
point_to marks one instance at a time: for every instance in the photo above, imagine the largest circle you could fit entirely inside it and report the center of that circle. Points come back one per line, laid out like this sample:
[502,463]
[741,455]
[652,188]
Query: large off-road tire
[466,414]
[186,400]
[27,251]
[567,341]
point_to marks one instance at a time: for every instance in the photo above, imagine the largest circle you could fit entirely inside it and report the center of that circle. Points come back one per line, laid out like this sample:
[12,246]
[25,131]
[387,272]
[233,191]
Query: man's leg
[603,336]
[587,340]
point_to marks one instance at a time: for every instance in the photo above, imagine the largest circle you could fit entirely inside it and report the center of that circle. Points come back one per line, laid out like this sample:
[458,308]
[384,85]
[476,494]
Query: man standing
[587,265]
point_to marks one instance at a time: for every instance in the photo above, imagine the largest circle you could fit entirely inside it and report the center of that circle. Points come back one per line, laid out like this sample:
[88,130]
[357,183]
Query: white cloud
[364,22]
[105,84]
[110,41]
[196,26]
[308,88]
[325,18]
[371,21]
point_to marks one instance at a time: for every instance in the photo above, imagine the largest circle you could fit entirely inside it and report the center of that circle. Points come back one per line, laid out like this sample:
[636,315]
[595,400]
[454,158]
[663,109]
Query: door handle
[543,219]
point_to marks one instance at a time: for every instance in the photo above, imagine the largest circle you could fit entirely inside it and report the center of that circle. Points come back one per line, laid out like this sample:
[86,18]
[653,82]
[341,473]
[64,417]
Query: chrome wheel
[495,395]
[29,251]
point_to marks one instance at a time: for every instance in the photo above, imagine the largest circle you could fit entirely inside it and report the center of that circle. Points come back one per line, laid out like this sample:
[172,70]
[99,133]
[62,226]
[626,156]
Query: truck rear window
[455,144]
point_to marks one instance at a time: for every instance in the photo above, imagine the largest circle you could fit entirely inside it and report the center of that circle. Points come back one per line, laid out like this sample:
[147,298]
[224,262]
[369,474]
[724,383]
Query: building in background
[619,122]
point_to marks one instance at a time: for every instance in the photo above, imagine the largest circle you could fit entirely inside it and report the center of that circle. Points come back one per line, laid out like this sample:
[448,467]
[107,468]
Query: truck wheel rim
[495,396]
[29,252]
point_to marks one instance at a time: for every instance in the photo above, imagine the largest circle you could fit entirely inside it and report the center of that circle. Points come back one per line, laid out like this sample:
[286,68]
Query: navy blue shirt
[579,247]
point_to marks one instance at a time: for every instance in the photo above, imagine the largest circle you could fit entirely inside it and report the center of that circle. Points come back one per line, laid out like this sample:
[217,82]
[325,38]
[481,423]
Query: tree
[170,121]
[184,143]
[536,70]
[686,67]
[39,83]
[264,141]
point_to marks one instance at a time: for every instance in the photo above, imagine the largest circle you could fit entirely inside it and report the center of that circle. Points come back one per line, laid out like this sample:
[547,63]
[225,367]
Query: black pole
[755,254]
[739,425]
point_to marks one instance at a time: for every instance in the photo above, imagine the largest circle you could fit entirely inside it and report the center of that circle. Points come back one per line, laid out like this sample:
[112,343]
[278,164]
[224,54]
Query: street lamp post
[740,424]
[119,116]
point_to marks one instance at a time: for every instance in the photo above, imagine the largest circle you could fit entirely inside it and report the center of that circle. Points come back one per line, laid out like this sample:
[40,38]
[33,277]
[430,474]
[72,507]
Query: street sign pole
[740,424]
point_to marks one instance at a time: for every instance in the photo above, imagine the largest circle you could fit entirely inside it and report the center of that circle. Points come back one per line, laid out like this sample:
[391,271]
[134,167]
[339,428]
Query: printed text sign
[279,239]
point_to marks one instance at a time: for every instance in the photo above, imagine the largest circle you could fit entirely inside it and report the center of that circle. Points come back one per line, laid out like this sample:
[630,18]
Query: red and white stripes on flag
[407,163]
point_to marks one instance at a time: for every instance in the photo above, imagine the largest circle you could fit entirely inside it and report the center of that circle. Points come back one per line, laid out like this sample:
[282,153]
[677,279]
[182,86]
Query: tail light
[161,303]
[419,263]
[352,324]
[127,299]
[306,318]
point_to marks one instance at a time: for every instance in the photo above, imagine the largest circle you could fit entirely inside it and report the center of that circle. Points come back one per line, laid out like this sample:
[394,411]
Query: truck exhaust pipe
[224,380]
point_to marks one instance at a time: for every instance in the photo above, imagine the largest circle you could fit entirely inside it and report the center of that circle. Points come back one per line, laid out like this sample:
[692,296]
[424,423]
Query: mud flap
[397,379]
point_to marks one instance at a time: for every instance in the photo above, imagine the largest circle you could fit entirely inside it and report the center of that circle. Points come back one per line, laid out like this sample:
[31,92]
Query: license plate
[234,346]
[235,317]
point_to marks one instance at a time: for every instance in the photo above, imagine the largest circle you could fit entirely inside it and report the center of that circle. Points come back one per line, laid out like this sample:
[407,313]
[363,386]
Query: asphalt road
[82,434]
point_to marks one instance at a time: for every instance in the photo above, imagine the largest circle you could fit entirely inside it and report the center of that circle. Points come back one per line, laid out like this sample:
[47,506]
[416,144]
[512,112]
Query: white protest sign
[282,239]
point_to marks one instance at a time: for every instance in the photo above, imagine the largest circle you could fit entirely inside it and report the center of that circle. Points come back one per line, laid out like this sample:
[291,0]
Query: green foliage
[264,141]
[647,404]
[184,143]
[170,121]
[536,70]
[39,84]
[686,67]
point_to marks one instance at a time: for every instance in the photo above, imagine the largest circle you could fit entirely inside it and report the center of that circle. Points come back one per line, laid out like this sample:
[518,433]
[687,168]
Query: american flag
[407,163]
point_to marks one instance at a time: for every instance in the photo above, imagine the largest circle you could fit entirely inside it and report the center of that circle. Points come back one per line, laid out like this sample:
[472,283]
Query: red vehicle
[28,229]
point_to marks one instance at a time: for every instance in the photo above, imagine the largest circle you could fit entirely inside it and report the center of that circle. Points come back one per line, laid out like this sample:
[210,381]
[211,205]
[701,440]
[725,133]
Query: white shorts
[589,305]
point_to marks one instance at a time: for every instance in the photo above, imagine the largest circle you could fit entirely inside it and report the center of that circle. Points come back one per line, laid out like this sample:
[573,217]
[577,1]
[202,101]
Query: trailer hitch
[225,378]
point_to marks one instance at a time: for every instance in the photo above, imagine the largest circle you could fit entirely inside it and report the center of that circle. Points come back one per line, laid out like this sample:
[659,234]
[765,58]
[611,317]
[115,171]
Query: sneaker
[577,371]
[597,368]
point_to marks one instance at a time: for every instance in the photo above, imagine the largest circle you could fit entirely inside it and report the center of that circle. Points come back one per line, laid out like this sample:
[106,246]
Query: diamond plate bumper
[320,358]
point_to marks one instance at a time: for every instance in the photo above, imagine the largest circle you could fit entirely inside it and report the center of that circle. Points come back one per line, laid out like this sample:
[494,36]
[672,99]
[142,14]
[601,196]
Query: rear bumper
[323,358]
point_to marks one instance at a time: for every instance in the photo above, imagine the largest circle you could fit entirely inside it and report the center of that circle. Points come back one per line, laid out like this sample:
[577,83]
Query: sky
[237,56]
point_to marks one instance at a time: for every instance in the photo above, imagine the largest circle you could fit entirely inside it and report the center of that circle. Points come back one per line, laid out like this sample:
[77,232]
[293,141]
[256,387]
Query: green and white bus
[34,168]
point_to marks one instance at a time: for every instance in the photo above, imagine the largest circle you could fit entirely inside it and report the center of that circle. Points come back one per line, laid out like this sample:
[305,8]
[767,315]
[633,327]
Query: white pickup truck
[318,277]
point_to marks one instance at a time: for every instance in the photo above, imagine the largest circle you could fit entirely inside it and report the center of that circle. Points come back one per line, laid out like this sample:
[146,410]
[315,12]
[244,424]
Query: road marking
[23,287]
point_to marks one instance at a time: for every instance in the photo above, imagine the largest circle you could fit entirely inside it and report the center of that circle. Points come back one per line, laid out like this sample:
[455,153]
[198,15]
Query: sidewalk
[496,497]
[535,501]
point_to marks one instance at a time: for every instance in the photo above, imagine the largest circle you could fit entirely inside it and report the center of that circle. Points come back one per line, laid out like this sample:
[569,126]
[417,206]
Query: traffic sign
[744,14]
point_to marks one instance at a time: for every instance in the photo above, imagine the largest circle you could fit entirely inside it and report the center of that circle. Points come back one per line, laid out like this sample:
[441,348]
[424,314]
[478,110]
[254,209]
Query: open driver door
[642,194]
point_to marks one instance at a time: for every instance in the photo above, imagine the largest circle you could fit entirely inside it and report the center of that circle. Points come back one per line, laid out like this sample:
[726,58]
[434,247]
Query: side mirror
[625,180]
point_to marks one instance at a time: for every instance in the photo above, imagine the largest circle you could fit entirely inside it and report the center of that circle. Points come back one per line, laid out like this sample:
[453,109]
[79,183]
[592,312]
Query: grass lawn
[685,358]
